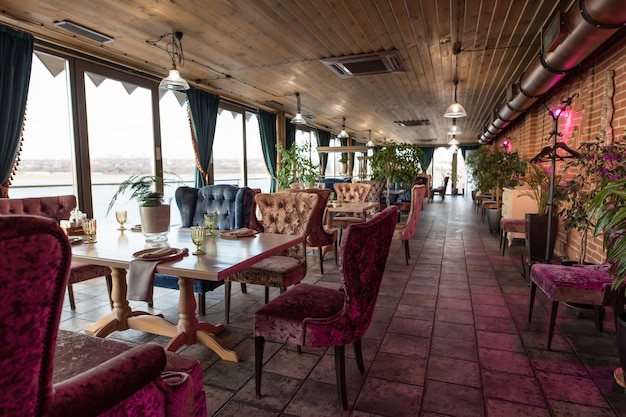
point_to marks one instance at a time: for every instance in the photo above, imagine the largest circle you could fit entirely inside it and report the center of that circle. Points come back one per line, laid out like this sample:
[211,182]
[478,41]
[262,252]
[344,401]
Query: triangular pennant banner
[97,79]
[53,64]
[130,88]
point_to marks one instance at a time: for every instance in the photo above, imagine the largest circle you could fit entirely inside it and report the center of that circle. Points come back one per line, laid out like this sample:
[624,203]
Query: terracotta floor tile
[449,337]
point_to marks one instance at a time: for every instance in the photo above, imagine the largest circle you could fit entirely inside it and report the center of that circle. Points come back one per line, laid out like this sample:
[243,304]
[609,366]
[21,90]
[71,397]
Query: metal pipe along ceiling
[588,25]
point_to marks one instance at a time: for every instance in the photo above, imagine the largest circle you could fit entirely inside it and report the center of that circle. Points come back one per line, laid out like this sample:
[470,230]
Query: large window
[89,127]
[46,167]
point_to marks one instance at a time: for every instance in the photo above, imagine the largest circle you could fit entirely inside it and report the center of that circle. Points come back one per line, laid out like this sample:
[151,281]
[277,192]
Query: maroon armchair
[35,256]
[314,316]
[58,208]
[405,231]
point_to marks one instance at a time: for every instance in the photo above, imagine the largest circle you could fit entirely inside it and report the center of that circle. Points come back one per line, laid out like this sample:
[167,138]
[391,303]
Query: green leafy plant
[295,166]
[595,168]
[493,168]
[143,188]
[608,208]
[343,159]
[538,179]
[396,163]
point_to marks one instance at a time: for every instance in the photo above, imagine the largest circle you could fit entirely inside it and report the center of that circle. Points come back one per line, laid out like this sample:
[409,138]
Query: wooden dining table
[223,257]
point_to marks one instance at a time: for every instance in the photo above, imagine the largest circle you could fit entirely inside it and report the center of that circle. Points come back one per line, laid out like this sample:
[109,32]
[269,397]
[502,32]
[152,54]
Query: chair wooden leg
[336,253]
[70,293]
[109,281]
[555,307]
[533,291]
[244,288]
[407,256]
[598,313]
[259,342]
[320,250]
[358,354]
[340,375]
[227,284]
[201,304]
[267,294]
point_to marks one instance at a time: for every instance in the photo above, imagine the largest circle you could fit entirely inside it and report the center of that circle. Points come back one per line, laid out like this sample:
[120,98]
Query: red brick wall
[531,131]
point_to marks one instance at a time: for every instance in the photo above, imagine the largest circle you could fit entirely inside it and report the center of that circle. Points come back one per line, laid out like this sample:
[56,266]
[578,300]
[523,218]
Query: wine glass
[210,221]
[340,199]
[198,235]
[89,228]
[120,216]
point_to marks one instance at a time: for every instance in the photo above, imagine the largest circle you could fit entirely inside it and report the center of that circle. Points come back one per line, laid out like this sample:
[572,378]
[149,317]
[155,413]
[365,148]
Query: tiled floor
[449,338]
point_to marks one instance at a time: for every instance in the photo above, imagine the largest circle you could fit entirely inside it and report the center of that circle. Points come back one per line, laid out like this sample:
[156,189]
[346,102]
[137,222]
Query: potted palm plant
[343,163]
[538,179]
[608,208]
[154,211]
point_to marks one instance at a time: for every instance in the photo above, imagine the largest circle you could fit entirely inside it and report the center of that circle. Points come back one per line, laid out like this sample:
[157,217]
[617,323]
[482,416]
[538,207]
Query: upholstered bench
[181,381]
[583,284]
[510,226]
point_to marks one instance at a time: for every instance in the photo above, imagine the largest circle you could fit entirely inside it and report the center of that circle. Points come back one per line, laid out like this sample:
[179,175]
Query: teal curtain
[323,139]
[16,57]
[267,127]
[203,108]
[465,148]
[427,158]
[290,131]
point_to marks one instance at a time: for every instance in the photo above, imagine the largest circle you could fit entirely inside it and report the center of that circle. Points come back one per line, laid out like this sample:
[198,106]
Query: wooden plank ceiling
[261,52]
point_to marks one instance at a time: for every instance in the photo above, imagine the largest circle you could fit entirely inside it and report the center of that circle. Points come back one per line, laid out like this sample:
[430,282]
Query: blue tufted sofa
[234,207]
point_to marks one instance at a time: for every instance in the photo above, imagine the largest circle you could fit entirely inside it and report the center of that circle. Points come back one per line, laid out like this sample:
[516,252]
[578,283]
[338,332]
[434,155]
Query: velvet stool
[583,284]
[510,226]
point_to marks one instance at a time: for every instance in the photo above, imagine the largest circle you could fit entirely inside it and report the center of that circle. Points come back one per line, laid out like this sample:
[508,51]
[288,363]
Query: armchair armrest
[95,391]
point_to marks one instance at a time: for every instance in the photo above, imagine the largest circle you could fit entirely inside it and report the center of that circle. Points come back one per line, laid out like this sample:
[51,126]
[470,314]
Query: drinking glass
[340,199]
[89,228]
[210,221]
[120,216]
[198,235]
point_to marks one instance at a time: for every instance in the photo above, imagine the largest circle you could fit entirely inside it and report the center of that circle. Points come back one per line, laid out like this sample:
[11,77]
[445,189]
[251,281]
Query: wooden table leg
[117,319]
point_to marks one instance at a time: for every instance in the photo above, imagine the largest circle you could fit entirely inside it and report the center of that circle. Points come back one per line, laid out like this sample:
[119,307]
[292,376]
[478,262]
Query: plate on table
[239,233]
[159,254]
[75,240]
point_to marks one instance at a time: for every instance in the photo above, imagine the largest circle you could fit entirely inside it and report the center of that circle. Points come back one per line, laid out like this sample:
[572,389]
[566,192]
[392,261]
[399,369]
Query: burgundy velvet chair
[35,256]
[582,284]
[58,208]
[405,231]
[315,316]
[283,213]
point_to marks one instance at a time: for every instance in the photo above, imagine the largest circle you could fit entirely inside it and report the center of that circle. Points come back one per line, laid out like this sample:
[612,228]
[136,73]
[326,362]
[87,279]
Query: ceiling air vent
[83,31]
[365,64]
[406,123]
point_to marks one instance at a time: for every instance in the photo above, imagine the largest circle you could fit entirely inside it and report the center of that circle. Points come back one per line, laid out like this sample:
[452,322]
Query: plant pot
[493,220]
[343,168]
[536,236]
[155,222]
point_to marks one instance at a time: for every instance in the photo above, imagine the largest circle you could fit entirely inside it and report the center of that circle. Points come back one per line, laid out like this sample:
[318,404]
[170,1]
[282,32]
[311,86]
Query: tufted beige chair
[352,193]
[318,235]
[284,213]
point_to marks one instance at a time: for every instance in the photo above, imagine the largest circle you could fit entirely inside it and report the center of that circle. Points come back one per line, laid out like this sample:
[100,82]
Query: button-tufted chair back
[232,205]
[288,213]
[57,207]
[353,192]
[318,236]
